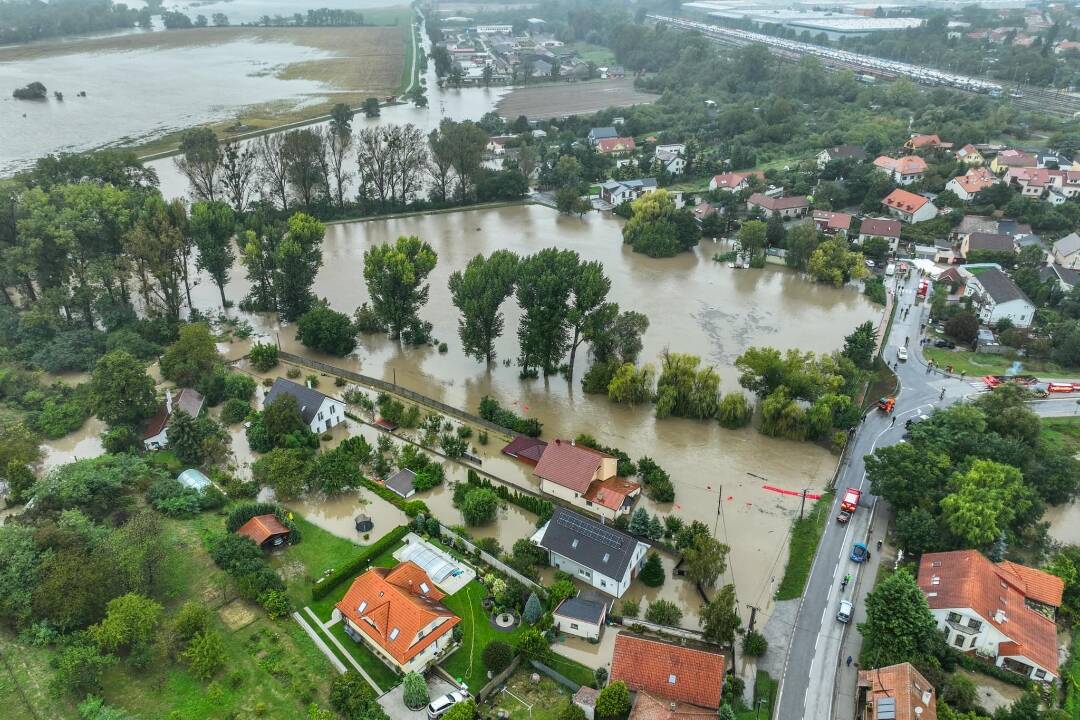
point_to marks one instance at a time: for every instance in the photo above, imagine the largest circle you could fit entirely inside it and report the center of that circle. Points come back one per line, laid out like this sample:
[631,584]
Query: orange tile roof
[910,690]
[568,464]
[974,181]
[921,141]
[904,201]
[619,144]
[967,579]
[261,528]
[396,608]
[911,165]
[671,672]
[735,179]
[647,707]
[611,492]
[833,220]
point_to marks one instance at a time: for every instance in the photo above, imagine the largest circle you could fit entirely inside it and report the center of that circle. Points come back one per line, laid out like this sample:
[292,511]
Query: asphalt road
[817,648]
[807,688]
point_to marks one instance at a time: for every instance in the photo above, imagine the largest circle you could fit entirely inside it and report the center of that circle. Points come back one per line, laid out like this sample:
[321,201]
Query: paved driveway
[394,704]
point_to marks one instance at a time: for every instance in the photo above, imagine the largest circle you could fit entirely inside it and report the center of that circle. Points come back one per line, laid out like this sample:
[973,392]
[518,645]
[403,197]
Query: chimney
[573,443]
[1001,617]
[168,402]
[558,441]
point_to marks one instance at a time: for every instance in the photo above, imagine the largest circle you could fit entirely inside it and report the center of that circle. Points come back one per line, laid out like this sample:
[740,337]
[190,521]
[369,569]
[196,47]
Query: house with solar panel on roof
[597,554]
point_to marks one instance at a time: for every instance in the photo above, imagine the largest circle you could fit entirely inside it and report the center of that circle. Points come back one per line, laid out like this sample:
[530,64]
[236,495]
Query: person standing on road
[893,420]
[849,661]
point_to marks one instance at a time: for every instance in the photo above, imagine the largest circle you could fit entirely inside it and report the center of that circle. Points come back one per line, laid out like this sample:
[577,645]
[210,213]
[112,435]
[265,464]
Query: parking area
[393,702]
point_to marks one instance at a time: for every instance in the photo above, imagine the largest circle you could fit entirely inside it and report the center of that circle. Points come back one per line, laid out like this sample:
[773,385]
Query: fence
[556,676]
[390,387]
[662,629]
[494,683]
[456,540]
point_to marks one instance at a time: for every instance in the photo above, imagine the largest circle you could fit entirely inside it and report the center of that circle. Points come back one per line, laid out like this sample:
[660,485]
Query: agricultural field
[578,98]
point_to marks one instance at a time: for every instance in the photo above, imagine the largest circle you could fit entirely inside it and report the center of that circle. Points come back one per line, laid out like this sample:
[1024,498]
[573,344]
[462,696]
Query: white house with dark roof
[1067,251]
[594,553]
[597,134]
[320,412]
[156,432]
[998,298]
[581,616]
[616,192]
[840,152]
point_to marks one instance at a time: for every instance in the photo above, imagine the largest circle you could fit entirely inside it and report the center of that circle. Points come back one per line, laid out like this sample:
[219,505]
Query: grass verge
[805,535]
[1070,675]
[1062,433]
[379,671]
[764,695]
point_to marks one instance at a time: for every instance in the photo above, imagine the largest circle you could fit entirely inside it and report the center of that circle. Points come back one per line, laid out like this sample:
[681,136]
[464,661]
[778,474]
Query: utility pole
[802,505]
[720,505]
[753,616]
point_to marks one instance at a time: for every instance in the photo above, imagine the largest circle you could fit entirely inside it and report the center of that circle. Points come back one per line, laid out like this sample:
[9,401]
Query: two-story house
[320,412]
[909,207]
[597,134]
[886,228]
[974,181]
[1067,251]
[1003,611]
[1011,159]
[616,192]
[672,673]
[999,298]
[597,554]
[585,478]
[926,142]
[671,157]
[840,152]
[970,155]
[791,206]
[832,223]
[903,171]
[733,181]
[398,613]
[616,146]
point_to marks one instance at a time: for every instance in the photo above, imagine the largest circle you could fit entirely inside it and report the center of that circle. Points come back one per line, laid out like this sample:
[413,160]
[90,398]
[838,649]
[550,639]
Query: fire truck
[848,505]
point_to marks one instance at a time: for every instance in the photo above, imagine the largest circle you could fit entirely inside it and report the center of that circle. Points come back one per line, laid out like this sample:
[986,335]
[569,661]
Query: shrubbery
[491,411]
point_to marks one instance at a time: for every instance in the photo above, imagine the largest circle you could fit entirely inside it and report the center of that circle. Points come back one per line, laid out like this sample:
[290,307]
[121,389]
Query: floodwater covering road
[695,305]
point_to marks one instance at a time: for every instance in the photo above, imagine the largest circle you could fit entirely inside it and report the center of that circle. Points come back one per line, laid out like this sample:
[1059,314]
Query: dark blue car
[859,552]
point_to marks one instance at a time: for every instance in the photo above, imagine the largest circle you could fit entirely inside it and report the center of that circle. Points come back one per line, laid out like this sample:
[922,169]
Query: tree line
[37,20]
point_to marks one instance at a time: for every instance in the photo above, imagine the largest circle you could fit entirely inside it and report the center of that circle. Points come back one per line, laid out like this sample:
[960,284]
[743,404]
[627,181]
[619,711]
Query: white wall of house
[580,628]
[609,585]
[419,663]
[157,442]
[959,190]
[1019,311]
[330,413]
[562,492]
[984,638]
[894,242]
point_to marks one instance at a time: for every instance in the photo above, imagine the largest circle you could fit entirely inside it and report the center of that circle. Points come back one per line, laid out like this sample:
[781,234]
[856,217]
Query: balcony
[963,628]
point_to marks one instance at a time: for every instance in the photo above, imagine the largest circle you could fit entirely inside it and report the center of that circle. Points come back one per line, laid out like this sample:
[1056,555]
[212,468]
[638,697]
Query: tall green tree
[396,276]
[192,357]
[658,229]
[720,617]
[544,286]
[590,289]
[899,626]
[297,263]
[478,292]
[706,560]
[200,161]
[984,500]
[326,330]
[122,392]
[212,225]
[860,345]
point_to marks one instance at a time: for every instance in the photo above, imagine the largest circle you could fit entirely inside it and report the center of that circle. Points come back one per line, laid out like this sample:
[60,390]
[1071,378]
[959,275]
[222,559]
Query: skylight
[607,556]
[671,679]
[424,588]
[394,634]
[362,606]
[574,543]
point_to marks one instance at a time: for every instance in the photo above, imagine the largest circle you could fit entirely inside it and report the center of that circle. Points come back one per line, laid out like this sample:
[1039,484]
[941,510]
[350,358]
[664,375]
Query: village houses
[909,207]
[585,478]
[903,171]
[320,412]
[792,206]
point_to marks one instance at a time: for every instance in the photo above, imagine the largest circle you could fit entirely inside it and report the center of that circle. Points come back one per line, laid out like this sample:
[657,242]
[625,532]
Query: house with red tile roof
[926,142]
[897,691]
[398,613]
[970,155]
[648,707]
[832,223]
[673,673]
[786,207]
[909,207]
[974,181]
[1034,182]
[585,478]
[734,181]
[1003,611]
[903,171]
[616,146]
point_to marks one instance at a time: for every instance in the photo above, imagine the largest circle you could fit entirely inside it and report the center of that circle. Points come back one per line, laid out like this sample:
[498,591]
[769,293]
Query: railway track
[1030,98]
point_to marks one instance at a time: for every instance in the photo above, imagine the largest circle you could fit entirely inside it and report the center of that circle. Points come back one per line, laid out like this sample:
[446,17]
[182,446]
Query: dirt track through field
[576,98]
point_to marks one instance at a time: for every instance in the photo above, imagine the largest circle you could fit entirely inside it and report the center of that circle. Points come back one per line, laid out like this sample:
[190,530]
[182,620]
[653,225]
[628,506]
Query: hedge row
[360,562]
[987,668]
[543,509]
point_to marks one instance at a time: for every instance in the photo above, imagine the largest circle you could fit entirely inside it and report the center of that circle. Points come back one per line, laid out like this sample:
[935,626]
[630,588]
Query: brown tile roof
[261,528]
[671,672]
[396,608]
[904,201]
[1015,158]
[525,448]
[647,707]
[966,579]
[968,149]
[780,203]
[188,400]
[833,220]
[922,141]
[611,492]
[570,465]
[619,144]
[907,688]
[735,179]
[880,227]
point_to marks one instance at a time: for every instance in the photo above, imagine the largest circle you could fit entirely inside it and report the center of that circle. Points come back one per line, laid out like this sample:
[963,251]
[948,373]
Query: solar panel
[886,708]
[597,533]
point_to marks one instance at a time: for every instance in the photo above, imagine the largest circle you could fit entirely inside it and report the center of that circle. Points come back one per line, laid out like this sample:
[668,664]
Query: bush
[613,701]
[205,654]
[478,506]
[192,619]
[631,608]
[735,411]
[652,572]
[663,612]
[234,411]
[263,356]
[350,695]
[171,498]
[491,411]
[533,609]
[275,603]
[239,386]
[498,656]
[754,644]
[464,710]
[415,692]
[120,439]
[292,373]
[962,327]
[327,331]
[234,551]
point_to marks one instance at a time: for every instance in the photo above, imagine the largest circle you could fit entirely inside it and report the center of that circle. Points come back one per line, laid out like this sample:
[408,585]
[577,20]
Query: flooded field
[695,305]
[561,99]
[82,444]
[142,86]
[1064,523]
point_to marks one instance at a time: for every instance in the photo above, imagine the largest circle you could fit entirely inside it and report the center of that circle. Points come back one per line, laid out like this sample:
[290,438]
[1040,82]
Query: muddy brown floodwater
[695,305]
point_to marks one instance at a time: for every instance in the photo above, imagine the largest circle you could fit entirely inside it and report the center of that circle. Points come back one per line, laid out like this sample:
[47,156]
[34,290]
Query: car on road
[915,420]
[843,614]
[440,705]
[943,343]
[859,552]
[901,354]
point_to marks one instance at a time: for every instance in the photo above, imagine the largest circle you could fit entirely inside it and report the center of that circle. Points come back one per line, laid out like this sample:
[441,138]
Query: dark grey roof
[999,286]
[1067,275]
[587,542]
[582,609]
[307,399]
[600,133]
[401,482]
[847,151]
[990,241]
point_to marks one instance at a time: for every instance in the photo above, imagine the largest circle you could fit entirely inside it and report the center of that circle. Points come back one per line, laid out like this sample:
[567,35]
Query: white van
[890,269]
[844,613]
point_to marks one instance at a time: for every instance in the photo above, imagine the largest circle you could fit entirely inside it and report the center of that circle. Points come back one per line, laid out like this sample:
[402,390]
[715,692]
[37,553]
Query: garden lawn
[317,552]
[525,700]
[571,669]
[978,364]
[805,535]
[1062,432]
[379,671]
[588,52]
[476,632]
[24,683]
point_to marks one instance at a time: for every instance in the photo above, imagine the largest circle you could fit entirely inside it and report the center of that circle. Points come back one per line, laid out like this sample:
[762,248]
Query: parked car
[869,263]
[440,705]
[943,343]
[901,353]
[844,613]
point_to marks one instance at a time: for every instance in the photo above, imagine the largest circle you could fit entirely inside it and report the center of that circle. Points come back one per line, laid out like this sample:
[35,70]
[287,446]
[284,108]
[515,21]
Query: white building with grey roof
[999,298]
[320,412]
